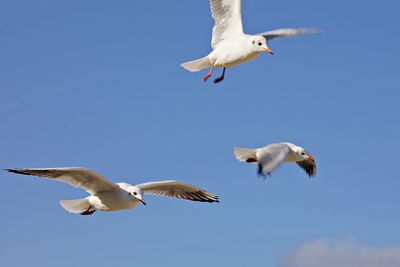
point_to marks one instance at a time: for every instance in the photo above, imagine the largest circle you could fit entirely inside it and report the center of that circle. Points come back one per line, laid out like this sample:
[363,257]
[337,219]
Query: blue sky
[98,84]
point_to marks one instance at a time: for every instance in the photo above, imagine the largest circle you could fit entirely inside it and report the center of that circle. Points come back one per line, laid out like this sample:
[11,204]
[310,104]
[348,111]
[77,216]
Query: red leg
[208,74]
[217,80]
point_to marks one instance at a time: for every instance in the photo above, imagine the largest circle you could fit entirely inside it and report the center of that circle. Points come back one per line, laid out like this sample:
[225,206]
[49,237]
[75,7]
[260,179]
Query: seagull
[107,196]
[231,46]
[271,156]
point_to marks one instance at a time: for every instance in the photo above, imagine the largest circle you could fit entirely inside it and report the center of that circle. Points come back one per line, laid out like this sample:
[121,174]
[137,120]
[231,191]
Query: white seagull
[271,156]
[107,196]
[231,46]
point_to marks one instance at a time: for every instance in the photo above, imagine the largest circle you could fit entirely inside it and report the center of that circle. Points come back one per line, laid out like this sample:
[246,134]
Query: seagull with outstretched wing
[107,196]
[231,46]
[271,156]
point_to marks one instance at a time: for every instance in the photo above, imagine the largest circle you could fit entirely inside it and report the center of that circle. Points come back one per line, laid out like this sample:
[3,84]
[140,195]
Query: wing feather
[309,166]
[288,32]
[83,178]
[227,15]
[178,190]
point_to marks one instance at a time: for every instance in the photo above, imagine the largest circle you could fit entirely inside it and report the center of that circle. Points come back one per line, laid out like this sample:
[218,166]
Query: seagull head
[301,153]
[134,191]
[137,193]
[260,44]
[305,155]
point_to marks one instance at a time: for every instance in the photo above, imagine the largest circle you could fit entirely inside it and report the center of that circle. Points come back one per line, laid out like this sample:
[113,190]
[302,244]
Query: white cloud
[344,253]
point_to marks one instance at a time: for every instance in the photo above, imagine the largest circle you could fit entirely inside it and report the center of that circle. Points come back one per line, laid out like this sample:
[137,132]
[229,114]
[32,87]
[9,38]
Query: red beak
[268,50]
[310,158]
[142,200]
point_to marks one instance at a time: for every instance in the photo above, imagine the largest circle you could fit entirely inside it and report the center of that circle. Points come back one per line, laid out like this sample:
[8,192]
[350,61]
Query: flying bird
[271,156]
[231,46]
[108,196]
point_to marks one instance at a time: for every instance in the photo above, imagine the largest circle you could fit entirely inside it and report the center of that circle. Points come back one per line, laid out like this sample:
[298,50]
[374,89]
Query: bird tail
[246,154]
[76,205]
[197,64]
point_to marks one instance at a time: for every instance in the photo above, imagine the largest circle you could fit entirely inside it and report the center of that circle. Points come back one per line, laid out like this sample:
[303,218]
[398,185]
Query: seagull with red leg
[231,46]
[107,196]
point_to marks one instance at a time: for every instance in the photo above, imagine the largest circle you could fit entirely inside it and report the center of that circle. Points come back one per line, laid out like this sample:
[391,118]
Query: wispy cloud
[343,253]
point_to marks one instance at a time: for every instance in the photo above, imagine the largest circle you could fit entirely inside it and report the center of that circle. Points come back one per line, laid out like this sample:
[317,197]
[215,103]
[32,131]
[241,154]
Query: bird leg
[261,173]
[219,79]
[260,170]
[88,211]
[208,74]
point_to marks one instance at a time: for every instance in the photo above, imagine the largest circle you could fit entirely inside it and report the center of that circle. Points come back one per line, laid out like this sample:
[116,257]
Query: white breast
[116,200]
[232,53]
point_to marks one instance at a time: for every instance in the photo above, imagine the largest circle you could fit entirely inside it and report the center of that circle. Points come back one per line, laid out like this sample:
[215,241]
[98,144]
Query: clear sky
[98,84]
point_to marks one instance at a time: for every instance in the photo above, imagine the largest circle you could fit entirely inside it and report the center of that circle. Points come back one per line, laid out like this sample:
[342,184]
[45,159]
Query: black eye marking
[253,42]
[259,44]
[303,153]
[135,193]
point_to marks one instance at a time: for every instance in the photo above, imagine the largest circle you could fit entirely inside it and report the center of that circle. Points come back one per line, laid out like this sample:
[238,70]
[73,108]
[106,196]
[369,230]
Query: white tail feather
[197,64]
[76,205]
[246,154]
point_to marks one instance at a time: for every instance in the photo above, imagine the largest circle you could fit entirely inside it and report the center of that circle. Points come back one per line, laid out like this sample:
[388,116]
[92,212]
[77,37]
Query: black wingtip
[17,171]
[212,199]
[312,175]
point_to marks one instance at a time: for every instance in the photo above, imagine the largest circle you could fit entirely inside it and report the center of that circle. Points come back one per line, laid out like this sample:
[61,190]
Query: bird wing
[83,178]
[179,190]
[227,15]
[288,32]
[270,157]
[309,166]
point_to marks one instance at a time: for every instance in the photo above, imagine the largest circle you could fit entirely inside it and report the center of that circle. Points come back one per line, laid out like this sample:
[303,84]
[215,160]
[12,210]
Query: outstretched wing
[179,190]
[270,157]
[83,178]
[288,32]
[309,166]
[228,20]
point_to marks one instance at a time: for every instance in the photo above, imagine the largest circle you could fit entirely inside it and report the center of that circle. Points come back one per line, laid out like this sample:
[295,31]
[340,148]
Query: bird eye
[303,153]
[259,44]
[135,193]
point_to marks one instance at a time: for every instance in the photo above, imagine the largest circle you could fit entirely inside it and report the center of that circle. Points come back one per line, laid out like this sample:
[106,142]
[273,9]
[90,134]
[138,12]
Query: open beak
[268,50]
[142,200]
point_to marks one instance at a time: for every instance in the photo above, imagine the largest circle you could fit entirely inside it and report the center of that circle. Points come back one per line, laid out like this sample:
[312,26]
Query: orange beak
[268,50]
[310,158]
[142,200]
